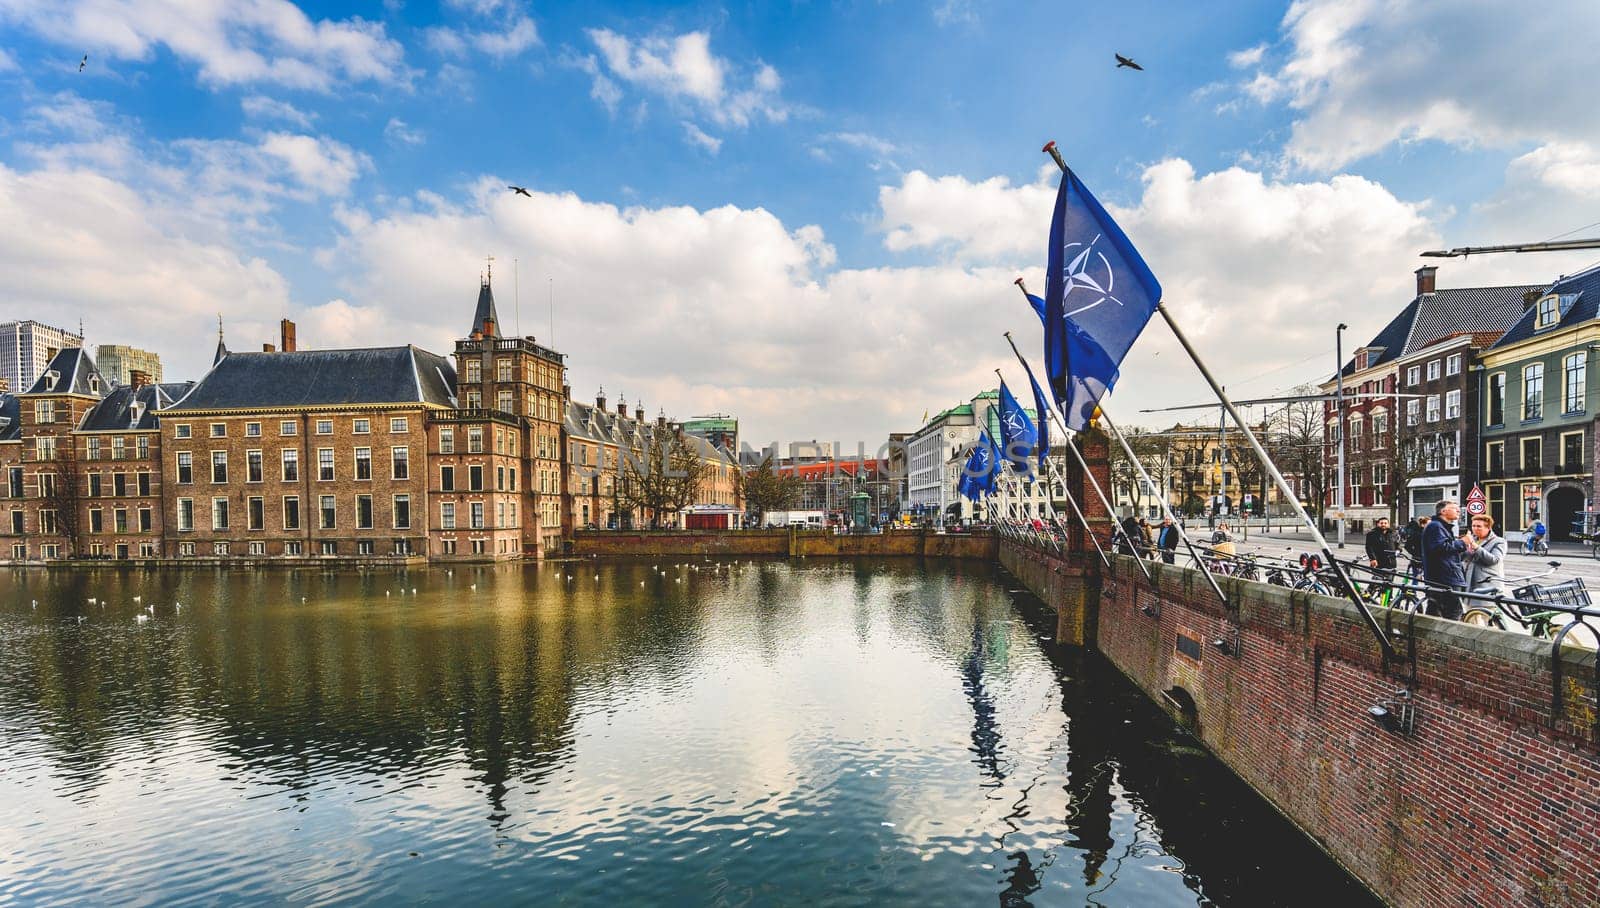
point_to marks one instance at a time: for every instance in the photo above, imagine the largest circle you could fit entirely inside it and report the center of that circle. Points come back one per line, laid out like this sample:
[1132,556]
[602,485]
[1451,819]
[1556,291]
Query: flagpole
[1066,440]
[1260,452]
[1282,484]
[1056,477]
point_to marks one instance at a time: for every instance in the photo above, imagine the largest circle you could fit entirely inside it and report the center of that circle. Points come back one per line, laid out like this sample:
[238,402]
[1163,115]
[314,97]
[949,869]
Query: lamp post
[1338,410]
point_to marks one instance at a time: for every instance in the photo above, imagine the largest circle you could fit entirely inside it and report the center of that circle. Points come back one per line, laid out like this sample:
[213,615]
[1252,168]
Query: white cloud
[263,108]
[683,70]
[955,12]
[259,41]
[1250,56]
[698,136]
[480,7]
[1572,167]
[318,164]
[507,40]
[1364,74]
[8,63]
[398,133]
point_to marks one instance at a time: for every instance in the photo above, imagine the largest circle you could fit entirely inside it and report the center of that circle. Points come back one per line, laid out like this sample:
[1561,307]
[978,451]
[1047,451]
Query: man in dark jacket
[1128,541]
[1381,546]
[1411,539]
[1168,540]
[1441,561]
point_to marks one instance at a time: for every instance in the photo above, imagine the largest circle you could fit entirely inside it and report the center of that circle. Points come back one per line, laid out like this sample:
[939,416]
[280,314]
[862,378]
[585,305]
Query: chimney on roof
[638,414]
[488,327]
[622,409]
[600,400]
[286,336]
[1425,279]
[138,378]
[661,419]
[268,348]
[1529,297]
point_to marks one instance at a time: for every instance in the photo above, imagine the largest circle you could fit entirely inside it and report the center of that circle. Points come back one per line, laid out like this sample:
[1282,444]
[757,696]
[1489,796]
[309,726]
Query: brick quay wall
[783,543]
[1492,799]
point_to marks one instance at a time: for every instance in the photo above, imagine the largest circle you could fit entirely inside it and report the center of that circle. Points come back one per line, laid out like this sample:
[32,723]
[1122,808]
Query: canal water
[675,733]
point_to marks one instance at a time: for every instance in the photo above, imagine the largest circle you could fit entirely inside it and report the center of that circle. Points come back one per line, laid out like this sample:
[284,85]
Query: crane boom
[1555,246]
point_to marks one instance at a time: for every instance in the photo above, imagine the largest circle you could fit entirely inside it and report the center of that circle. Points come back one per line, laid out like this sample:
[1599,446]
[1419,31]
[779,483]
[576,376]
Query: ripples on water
[816,733]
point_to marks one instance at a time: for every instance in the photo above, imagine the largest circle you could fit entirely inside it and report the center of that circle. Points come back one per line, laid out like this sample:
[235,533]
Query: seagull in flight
[1126,62]
[520,190]
[84,62]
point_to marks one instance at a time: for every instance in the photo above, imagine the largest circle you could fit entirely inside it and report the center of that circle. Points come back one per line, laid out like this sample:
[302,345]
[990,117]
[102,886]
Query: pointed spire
[485,320]
[222,349]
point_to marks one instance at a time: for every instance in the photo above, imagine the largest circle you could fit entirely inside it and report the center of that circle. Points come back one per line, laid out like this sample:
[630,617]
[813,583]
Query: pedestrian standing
[1168,541]
[1486,570]
[1147,539]
[1441,562]
[1413,542]
[1381,546]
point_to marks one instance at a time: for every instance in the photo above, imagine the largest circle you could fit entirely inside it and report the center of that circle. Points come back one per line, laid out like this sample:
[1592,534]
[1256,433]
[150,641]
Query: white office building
[26,347]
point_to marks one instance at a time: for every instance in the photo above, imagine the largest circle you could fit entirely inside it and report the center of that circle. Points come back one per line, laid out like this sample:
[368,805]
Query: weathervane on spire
[489,263]
[219,326]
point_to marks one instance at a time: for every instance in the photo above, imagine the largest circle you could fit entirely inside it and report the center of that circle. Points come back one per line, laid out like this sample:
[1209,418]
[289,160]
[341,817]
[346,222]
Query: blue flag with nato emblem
[1040,406]
[978,475]
[1099,295]
[1018,437]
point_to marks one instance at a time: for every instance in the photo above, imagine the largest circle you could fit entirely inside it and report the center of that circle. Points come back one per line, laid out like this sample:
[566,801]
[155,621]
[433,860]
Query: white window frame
[1452,364]
[1433,369]
[1452,404]
[1414,375]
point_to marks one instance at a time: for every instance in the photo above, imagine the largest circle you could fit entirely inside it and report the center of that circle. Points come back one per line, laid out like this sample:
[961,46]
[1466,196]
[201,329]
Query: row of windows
[398,425]
[326,517]
[1574,383]
[95,449]
[1531,452]
[294,547]
[1452,366]
[289,465]
[1451,408]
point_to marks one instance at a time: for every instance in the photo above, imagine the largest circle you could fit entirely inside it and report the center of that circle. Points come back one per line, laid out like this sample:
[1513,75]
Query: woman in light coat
[1485,562]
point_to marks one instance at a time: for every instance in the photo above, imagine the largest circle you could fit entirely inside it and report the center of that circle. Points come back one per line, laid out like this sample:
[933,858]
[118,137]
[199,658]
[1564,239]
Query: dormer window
[51,376]
[1549,311]
[94,384]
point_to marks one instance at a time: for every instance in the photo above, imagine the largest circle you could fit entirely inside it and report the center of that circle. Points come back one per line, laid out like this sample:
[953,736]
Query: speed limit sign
[1476,501]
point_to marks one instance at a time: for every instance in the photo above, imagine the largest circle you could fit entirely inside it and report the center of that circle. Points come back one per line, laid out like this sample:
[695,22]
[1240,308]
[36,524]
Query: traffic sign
[1476,501]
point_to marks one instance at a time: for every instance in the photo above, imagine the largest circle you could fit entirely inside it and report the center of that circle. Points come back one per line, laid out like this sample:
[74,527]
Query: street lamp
[1338,374]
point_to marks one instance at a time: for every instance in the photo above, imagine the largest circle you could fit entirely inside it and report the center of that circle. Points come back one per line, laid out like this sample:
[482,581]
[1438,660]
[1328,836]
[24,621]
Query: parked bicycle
[1522,609]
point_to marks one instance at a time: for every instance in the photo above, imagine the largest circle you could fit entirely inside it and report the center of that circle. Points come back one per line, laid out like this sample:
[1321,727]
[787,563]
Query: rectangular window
[186,514]
[477,515]
[502,369]
[287,427]
[1452,404]
[44,411]
[290,459]
[504,401]
[329,547]
[364,547]
[474,399]
[324,427]
[1497,458]
[181,431]
[119,448]
[474,371]
[294,548]
[45,448]
[1433,369]
[400,463]
[447,441]
[363,512]
[402,512]
[257,548]
[185,468]
[399,425]
[1574,372]
[363,463]
[362,426]
[447,515]
[1533,391]
[475,478]
[219,548]
[327,514]
[1572,452]
[219,466]
[1549,310]
[447,479]
[92,449]
[95,483]
[253,470]
[219,513]
[1497,399]
[1414,375]
[252,430]
[1452,456]
[1433,408]
[474,441]
[1530,457]
[256,513]
[47,522]
[119,484]
[146,520]
[16,522]
[219,430]
[291,512]
[1452,364]
[14,482]
[143,446]
[144,483]
[324,464]
[97,522]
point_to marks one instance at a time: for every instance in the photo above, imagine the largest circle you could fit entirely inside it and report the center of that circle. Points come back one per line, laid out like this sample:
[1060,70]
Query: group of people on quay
[1473,561]
[1136,536]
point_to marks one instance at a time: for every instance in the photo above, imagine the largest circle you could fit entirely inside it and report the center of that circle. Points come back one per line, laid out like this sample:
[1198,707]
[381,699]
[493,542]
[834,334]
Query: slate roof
[10,417]
[1584,288]
[1478,310]
[322,378]
[77,375]
[1392,339]
[485,310]
[115,412]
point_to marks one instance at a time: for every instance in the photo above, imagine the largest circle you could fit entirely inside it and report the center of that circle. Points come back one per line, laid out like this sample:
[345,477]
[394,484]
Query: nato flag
[1099,295]
[1018,437]
[978,476]
[1040,406]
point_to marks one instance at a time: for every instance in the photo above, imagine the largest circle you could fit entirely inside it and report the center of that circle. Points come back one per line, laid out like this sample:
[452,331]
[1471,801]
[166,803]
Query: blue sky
[807,215]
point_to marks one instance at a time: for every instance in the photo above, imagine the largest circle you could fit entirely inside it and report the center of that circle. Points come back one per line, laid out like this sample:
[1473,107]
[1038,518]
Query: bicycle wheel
[1478,617]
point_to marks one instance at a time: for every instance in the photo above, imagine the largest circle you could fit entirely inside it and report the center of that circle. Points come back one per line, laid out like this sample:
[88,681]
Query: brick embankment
[1492,799]
[785,543]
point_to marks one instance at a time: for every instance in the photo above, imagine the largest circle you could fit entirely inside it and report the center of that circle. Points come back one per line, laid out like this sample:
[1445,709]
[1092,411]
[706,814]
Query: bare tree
[63,494]
[1296,445]
[661,476]
[765,489]
[1151,450]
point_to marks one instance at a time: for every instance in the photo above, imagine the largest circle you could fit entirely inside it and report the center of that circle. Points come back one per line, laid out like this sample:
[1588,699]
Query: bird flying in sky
[84,62]
[519,190]
[1127,62]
